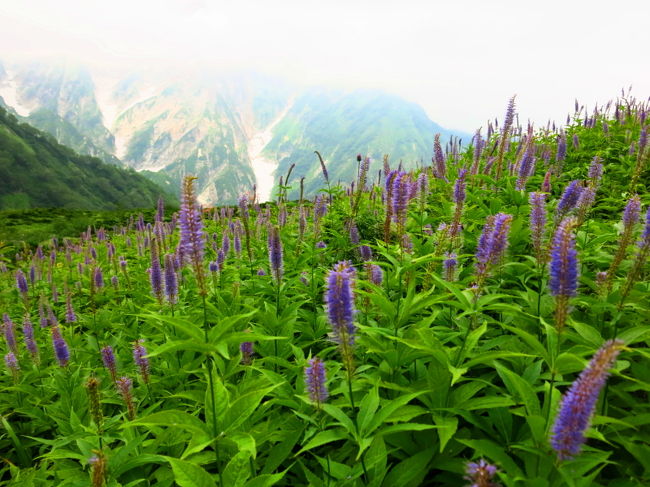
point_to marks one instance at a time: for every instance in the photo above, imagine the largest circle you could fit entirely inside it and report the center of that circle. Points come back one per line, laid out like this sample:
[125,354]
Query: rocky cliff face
[232,132]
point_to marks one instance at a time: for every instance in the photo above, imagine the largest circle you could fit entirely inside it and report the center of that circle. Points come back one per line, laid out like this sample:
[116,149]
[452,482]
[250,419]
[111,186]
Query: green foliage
[444,373]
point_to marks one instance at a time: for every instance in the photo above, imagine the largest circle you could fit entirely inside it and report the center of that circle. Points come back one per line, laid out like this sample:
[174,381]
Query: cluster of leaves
[442,374]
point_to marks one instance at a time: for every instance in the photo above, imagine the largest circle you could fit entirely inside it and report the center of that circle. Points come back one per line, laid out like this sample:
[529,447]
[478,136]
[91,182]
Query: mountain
[61,101]
[340,125]
[37,171]
[232,131]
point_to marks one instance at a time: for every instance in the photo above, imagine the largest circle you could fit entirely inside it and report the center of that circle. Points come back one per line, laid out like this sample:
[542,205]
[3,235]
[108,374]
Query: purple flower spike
[21,283]
[579,402]
[192,238]
[339,300]
[493,242]
[98,277]
[315,378]
[30,343]
[61,351]
[9,333]
[564,261]
[141,360]
[171,283]
[108,358]
[632,212]
[537,203]
[275,253]
[365,252]
[569,198]
[11,362]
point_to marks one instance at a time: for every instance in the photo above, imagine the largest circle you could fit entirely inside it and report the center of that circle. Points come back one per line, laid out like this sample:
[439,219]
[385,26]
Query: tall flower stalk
[563,270]
[578,404]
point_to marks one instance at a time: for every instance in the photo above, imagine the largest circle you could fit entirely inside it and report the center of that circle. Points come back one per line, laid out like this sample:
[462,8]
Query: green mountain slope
[340,126]
[37,171]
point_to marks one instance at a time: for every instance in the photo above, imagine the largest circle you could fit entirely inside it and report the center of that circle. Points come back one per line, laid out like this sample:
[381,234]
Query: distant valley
[232,131]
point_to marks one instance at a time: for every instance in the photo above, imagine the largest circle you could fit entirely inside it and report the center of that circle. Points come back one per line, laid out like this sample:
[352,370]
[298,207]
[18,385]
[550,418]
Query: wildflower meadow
[482,319]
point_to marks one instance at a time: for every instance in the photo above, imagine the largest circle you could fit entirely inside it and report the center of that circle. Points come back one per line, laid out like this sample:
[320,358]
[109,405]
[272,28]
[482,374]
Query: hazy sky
[460,59]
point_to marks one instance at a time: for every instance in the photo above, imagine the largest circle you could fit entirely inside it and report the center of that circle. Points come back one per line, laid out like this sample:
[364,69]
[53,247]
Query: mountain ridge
[209,125]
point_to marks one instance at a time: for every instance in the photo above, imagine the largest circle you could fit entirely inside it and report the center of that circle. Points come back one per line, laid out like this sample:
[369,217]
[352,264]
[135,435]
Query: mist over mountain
[232,131]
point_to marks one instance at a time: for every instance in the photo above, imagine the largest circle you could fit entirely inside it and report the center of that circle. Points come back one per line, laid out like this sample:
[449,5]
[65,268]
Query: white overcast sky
[460,59]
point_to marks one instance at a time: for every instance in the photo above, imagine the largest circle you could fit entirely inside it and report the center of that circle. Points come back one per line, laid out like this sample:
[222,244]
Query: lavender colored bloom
[30,343]
[564,261]
[192,239]
[632,212]
[70,316]
[51,317]
[569,198]
[221,258]
[509,118]
[578,403]
[247,350]
[493,242]
[98,277]
[439,169]
[213,266]
[374,273]
[12,363]
[108,358]
[354,234]
[315,378]
[321,245]
[459,187]
[243,206]
[115,282]
[526,166]
[32,274]
[320,207]
[561,148]
[645,237]
[449,266]
[237,244]
[401,193]
[537,203]
[171,283]
[275,253]
[225,243]
[9,332]
[595,170]
[60,346]
[155,275]
[21,283]
[339,300]
[140,359]
[576,141]
[422,185]
[480,474]
[365,252]
[160,210]
[261,272]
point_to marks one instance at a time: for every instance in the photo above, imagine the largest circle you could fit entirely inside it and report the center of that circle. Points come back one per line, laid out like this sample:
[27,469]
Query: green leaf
[521,388]
[188,474]
[242,408]
[411,471]
[322,438]
[172,418]
[238,470]
[447,427]
[367,409]
[265,480]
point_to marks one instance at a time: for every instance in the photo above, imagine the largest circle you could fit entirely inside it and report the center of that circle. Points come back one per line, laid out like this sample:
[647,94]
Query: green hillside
[36,171]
